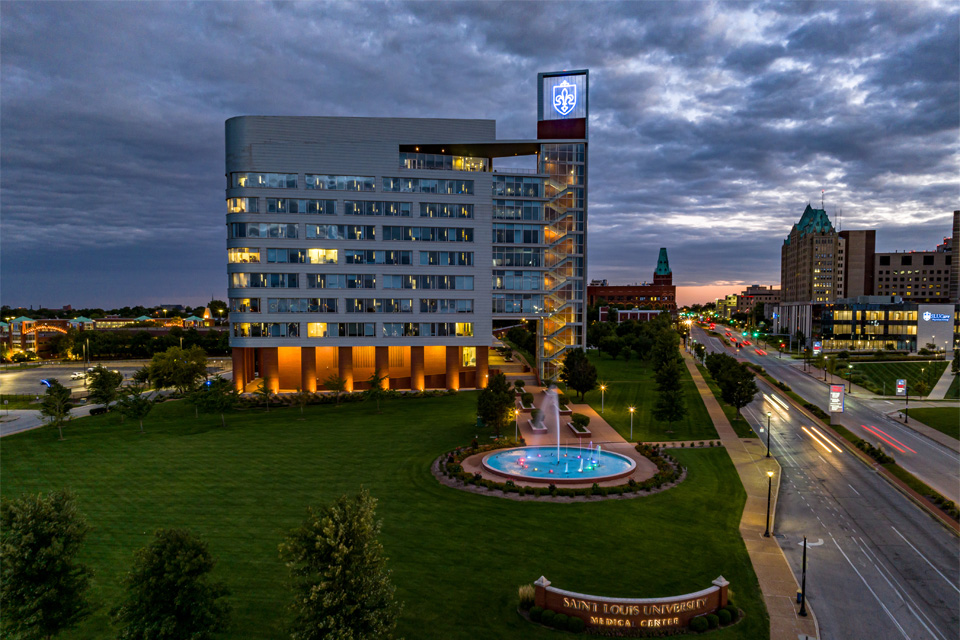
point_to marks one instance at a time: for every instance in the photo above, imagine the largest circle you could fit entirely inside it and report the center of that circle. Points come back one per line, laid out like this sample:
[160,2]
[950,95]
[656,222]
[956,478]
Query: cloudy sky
[712,124]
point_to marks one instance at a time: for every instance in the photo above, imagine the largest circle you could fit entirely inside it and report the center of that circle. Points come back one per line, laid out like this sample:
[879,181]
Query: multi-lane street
[930,461]
[878,567]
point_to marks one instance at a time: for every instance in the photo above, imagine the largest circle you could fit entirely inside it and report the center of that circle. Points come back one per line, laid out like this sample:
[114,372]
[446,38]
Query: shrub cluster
[248,401]
[873,451]
[723,617]
[527,399]
[815,410]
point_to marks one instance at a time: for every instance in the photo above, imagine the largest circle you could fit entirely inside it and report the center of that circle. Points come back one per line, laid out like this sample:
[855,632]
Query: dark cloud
[712,125]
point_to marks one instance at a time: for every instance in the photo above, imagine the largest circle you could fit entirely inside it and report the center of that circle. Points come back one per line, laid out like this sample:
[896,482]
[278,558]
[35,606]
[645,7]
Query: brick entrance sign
[629,613]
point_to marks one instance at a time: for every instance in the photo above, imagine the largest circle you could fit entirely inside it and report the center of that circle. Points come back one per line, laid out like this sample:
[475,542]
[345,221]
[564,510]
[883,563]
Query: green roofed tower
[662,275]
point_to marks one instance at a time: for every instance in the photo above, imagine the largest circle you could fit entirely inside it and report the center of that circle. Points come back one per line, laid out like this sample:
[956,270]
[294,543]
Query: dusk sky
[712,124]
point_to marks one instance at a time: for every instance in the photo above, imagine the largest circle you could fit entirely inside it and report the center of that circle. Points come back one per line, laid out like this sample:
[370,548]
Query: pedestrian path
[939,391]
[777,582]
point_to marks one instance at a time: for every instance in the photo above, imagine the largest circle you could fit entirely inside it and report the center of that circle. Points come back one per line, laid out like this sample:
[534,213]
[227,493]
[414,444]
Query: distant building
[757,294]
[622,315]
[661,294]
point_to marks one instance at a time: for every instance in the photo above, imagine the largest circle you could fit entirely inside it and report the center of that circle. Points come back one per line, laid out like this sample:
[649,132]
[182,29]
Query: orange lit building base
[287,369]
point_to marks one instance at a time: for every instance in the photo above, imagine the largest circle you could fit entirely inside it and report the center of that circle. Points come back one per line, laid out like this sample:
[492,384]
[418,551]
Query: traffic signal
[782,345]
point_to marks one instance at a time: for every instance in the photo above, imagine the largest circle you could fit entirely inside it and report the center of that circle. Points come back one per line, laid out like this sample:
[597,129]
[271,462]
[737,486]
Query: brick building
[660,294]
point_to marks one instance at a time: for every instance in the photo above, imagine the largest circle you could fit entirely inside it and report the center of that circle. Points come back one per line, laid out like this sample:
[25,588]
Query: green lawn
[632,383]
[457,558]
[8,401]
[945,419]
[737,421]
[880,377]
[953,393]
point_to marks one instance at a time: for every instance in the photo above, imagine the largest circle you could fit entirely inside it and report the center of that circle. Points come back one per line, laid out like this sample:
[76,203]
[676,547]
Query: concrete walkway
[777,582]
[939,391]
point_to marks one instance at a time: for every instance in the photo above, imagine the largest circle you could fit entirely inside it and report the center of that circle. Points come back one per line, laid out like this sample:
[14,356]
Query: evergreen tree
[169,595]
[135,404]
[578,372]
[341,583]
[43,587]
[104,385]
[611,345]
[56,405]
[671,403]
[494,402]
[737,385]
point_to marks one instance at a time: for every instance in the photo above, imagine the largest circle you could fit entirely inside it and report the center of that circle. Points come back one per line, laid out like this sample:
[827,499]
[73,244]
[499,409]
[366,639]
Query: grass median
[457,558]
[943,419]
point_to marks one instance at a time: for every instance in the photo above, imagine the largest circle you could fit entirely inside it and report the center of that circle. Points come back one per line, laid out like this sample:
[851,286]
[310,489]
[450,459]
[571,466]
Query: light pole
[766,534]
[603,388]
[850,378]
[768,434]
[632,409]
[516,425]
[803,582]
[906,408]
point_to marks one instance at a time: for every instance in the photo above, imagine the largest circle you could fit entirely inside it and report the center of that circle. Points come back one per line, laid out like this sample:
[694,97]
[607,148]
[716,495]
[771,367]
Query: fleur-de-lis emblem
[564,97]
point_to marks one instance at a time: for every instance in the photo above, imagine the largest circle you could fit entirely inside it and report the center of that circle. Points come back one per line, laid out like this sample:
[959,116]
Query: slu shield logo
[564,98]
[927,315]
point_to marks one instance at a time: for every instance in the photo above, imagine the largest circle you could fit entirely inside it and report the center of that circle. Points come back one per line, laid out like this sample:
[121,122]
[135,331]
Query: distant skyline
[712,125]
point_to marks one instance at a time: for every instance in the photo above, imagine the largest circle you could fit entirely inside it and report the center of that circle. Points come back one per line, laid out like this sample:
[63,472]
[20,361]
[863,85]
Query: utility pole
[803,581]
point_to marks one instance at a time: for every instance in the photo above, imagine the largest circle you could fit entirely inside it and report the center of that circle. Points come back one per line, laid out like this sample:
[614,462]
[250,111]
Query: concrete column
[453,367]
[308,369]
[251,365]
[270,363]
[382,364]
[345,366]
[483,367]
[416,368]
[239,368]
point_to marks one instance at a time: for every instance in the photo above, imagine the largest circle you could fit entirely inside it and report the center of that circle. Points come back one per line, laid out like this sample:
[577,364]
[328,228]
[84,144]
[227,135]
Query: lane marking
[854,490]
[870,589]
[952,585]
[821,457]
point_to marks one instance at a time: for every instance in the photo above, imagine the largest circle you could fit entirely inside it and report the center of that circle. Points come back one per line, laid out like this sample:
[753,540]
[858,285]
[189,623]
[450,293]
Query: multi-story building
[756,294]
[362,245]
[808,259]
[855,275]
[879,322]
[920,276]
[660,294]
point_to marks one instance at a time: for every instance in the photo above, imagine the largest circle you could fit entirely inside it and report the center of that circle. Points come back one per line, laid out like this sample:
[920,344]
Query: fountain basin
[540,464]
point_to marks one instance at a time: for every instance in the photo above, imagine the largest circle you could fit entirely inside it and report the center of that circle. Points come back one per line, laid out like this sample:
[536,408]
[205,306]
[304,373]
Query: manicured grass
[943,419]
[18,401]
[953,393]
[737,421]
[880,377]
[632,384]
[457,558]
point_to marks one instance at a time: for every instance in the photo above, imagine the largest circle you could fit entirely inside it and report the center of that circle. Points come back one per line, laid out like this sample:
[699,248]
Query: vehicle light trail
[878,430]
[889,442]
[824,436]
[822,443]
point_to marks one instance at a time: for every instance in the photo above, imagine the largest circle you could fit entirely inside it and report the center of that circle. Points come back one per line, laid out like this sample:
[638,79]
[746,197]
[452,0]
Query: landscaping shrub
[713,621]
[535,613]
[873,451]
[527,399]
[562,400]
[547,617]
[526,594]
[519,384]
[560,621]
[580,421]
[595,489]
[725,616]
[699,624]
[98,411]
[576,625]
[734,612]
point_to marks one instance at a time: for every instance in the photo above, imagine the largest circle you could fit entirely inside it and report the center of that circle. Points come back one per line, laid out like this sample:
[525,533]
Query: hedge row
[248,401]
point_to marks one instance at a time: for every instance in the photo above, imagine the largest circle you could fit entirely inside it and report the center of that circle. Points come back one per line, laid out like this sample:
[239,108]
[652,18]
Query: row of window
[517,186]
[428,234]
[506,233]
[350,232]
[240,255]
[517,280]
[328,182]
[353,305]
[352,208]
[352,329]
[517,303]
[517,210]
[446,163]
[348,281]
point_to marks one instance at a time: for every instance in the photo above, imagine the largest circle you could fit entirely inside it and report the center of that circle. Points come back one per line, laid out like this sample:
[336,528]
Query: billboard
[817,348]
[901,387]
[836,398]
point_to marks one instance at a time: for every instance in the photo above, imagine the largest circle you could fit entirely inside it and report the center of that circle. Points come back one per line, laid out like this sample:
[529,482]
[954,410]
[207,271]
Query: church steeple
[663,274]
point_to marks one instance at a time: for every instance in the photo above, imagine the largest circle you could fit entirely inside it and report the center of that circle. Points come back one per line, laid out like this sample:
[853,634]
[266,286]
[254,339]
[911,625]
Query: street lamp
[632,409]
[850,378]
[516,425]
[766,534]
[603,388]
[768,434]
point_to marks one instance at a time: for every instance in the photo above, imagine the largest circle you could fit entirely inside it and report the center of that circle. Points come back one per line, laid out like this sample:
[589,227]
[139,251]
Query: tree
[921,388]
[700,351]
[43,587]
[135,404]
[671,403]
[578,372]
[494,402]
[216,396]
[665,347]
[264,392]
[142,375]
[56,405]
[611,345]
[376,392]
[169,594]
[303,398]
[737,385]
[955,365]
[340,579]
[178,368]
[104,385]
[336,384]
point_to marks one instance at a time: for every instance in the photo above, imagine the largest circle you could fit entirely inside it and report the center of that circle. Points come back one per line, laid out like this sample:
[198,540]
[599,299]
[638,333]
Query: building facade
[389,245]
[808,259]
[749,298]
[660,294]
[873,322]
[606,314]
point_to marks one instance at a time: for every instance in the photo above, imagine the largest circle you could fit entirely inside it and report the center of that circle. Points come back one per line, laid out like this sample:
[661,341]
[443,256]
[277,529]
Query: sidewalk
[940,389]
[777,582]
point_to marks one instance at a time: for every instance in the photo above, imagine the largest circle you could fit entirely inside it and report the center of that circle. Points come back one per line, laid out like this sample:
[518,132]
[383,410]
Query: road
[930,461]
[880,568]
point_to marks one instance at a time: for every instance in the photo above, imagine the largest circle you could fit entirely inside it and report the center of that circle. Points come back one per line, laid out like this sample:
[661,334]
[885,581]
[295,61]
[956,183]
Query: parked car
[78,375]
